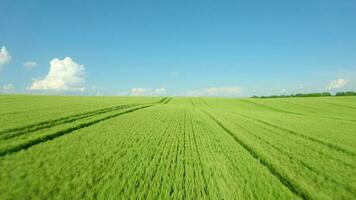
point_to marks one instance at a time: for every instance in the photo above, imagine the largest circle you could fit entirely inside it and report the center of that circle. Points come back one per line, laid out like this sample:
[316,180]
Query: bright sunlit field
[56,147]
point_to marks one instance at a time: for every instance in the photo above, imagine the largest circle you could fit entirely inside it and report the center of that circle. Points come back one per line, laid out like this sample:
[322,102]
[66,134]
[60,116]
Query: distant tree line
[348,93]
[320,94]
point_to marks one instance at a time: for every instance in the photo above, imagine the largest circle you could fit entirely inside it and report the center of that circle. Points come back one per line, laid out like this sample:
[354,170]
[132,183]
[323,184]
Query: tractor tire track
[191,101]
[284,178]
[52,123]
[202,99]
[11,133]
[232,160]
[167,100]
[332,146]
[311,109]
[302,144]
[301,162]
[294,113]
[162,100]
[57,134]
[340,105]
[268,107]
[212,176]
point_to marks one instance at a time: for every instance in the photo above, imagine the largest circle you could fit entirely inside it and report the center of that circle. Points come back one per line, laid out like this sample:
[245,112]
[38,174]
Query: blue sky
[195,48]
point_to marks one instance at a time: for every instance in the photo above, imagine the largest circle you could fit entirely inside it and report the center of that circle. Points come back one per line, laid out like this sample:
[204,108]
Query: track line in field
[236,174]
[168,100]
[340,105]
[45,125]
[57,134]
[49,122]
[202,99]
[333,118]
[10,133]
[311,110]
[191,101]
[162,100]
[211,168]
[300,143]
[53,123]
[294,113]
[332,146]
[282,177]
[310,168]
[268,107]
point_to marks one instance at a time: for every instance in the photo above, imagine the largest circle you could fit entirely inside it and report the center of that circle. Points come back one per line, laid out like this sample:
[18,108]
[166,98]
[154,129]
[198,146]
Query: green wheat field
[63,147]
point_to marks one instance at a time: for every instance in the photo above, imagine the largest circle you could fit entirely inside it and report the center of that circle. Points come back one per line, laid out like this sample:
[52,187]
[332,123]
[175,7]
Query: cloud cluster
[63,75]
[5,57]
[160,91]
[337,84]
[139,91]
[215,91]
[29,64]
[7,88]
[147,91]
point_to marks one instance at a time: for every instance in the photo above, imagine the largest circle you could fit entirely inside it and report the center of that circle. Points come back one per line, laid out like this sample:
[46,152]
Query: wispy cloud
[7,88]
[160,91]
[215,91]
[29,64]
[148,91]
[337,84]
[63,75]
[139,91]
[5,57]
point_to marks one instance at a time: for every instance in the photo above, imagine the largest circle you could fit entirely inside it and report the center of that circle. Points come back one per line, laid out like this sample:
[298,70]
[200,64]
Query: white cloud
[160,90]
[63,75]
[147,91]
[215,91]
[5,57]
[29,64]
[8,87]
[140,91]
[337,84]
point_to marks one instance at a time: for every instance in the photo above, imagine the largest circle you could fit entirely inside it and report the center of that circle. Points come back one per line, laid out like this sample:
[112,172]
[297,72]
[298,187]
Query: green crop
[54,147]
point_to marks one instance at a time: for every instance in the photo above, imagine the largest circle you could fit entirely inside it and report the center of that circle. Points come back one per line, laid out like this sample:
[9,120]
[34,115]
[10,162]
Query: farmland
[55,147]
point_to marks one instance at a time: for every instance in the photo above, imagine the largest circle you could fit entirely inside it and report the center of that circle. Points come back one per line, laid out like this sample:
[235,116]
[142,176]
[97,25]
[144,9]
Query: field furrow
[44,138]
[283,177]
[10,133]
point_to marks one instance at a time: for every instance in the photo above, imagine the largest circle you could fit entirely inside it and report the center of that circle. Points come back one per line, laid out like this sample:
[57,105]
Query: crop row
[319,169]
[24,137]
